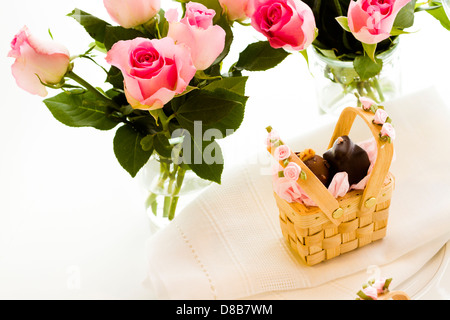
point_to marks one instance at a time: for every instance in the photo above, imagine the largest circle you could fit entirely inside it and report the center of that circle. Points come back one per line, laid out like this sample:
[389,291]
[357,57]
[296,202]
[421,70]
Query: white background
[72,222]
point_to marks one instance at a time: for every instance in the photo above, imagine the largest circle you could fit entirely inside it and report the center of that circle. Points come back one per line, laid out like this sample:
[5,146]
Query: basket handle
[385,152]
[315,189]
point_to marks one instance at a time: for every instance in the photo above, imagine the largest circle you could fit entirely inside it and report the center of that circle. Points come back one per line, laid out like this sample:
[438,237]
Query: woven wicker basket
[340,225]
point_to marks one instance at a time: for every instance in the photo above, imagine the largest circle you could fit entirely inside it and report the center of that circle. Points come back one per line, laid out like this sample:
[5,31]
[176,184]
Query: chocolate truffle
[320,168]
[349,157]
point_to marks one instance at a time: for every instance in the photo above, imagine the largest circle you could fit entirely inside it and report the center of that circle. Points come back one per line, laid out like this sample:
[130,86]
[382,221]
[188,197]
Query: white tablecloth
[228,244]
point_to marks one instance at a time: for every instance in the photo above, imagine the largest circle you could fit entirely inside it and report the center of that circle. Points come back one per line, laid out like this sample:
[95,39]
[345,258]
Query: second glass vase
[338,84]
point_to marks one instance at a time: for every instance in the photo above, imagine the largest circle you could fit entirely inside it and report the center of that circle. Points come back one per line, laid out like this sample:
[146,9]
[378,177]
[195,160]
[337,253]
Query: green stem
[176,192]
[152,202]
[72,75]
[370,94]
[164,121]
[168,197]
[379,90]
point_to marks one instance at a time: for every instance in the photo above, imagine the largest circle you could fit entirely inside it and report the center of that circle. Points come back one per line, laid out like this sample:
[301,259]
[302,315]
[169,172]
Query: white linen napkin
[228,244]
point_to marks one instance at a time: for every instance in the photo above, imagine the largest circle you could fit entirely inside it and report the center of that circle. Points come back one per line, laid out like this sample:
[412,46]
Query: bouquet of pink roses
[165,93]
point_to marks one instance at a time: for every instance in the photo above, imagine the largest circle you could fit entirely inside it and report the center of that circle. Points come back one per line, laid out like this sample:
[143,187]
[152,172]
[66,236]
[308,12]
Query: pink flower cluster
[154,70]
[381,117]
[375,288]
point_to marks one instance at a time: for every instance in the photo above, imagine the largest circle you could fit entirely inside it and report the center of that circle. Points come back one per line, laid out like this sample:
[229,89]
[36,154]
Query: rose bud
[132,13]
[235,9]
[37,62]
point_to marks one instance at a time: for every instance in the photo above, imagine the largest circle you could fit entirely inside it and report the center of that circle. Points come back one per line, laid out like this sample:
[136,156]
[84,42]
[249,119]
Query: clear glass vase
[168,188]
[338,84]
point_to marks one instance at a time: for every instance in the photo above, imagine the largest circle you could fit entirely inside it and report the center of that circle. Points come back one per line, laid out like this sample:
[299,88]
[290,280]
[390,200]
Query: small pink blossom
[282,152]
[292,171]
[371,292]
[388,131]
[272,137]
[367,103]
[379,285]
[380,116]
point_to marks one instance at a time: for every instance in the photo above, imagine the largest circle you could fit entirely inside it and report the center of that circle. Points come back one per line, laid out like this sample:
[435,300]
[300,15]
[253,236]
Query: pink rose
[235,9]
[197,31]
[282,152]
[371,21]
[272,137]
[287,24]
[154,70]
[387,130]
[37,60]
[380,116]
[379,285]
[132,13]
[371,292]
[367,103]
[292,171]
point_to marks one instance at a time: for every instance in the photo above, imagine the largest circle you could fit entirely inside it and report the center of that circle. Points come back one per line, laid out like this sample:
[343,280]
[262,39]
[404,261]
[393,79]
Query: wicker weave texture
[315,239]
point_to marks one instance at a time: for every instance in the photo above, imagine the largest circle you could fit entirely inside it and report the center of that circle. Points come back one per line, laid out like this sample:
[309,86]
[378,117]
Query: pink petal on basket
[288,190]
[339,186]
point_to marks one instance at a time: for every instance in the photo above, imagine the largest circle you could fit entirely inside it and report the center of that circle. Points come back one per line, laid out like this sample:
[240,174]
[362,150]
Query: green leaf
[186,91]
[162,145]
[370,49]
[157,27]
[93,25]
[115,77]
[147,142]
[343,21]
[80,110]
[397,32]
[363,296]
[405,17]
[260,56]
[234,84]
[205,159]
[128,149]
[220,109]
[366,67]
[440,15]
[114,34]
